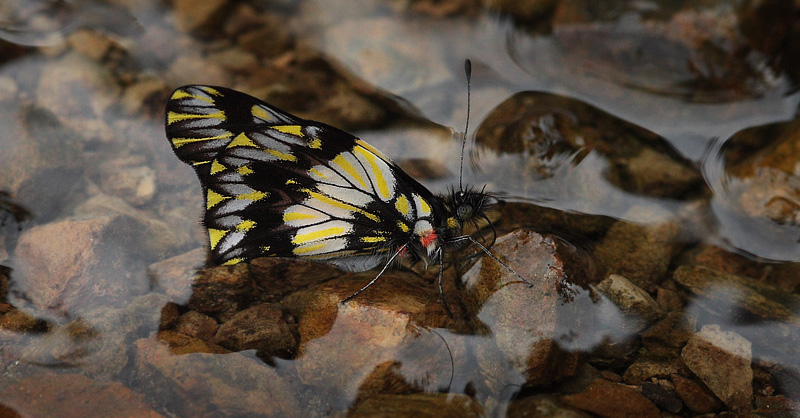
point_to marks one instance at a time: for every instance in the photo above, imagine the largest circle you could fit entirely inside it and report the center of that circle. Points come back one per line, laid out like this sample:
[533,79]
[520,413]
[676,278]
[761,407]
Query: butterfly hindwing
[279,185]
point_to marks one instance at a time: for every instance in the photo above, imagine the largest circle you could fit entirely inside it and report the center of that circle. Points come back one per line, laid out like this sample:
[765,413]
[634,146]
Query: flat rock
[695,395]
[721,359]
[418,405]
[175,276]
[74,395]
[531,325]
[73,265]
[220,385]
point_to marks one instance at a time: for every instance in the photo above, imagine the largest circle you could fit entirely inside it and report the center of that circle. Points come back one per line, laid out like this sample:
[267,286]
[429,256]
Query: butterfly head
[466,206]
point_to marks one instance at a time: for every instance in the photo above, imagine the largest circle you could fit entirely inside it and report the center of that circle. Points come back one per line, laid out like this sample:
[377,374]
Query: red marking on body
[428,239]
[403,252]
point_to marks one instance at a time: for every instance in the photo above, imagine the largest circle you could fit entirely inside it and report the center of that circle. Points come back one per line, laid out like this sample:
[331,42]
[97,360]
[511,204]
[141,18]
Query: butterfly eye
[464,211]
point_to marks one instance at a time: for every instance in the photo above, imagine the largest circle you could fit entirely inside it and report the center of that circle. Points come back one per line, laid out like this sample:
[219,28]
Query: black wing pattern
[278,185]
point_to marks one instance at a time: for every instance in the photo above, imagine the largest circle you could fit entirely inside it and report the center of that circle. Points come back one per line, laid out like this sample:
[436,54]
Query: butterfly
[278,185]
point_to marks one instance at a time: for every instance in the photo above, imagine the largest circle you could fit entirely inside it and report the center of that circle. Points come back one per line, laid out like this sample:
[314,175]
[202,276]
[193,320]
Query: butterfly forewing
[278,185]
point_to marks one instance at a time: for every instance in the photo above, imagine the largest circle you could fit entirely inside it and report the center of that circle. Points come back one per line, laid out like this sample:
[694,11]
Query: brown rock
[222,290]
[200,384]
[74,395]
[631,299]
[612,400]
[19,321]
[144,96]
[259,327]
[418,405]
[639,252]
[664,397]
[90,43]
[666,337]
[719,289]
[184,344]
[643,370]
[199,17]
[341,345]
[74,265]
[276,277]
[195,324]
[695,395]
[722,360]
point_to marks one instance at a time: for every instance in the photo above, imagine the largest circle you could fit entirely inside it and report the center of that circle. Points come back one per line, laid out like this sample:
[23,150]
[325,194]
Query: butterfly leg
[385,266]
[441,273]
[489,253]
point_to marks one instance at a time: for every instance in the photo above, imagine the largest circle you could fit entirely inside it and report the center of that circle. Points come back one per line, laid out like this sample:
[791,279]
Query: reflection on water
[645,153]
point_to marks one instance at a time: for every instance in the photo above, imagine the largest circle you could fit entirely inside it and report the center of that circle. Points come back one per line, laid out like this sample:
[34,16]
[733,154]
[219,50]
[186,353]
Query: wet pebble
[612,400]
[639,252]
[180,344]
[199,17]
[695,395]
[667,336]
[90,43]
[630,298]
[195,324]
[79,92]
[129,179]
[260,327]
[541,407]
[222,291]
[722,360]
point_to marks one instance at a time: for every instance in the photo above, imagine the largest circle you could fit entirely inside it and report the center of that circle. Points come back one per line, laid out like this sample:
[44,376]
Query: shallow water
[652,145]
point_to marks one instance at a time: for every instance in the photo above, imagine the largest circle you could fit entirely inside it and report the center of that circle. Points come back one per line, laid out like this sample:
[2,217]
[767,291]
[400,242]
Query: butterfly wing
[278,185]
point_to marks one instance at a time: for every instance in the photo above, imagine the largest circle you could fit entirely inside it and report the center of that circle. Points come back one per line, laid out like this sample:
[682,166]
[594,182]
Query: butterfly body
[278,185]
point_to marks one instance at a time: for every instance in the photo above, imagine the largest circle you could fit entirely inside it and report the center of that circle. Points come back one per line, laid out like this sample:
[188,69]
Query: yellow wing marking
[349,169]
[401,204]
[213,198]
[373,239]
[290,129]
[423,205]
[317,173]
[233,261]
[179,142]
[245,225]
[200,162]
[216,167]
[294,216]
[341,205]
[259,112]
[308,248]
[211,90]
[281,155]
[317,235]
[255,195]
[377,174]
[403,226]
[215,235]
[372,150]
[244,170]
[182,94]
[173,117]
[241,140]
[315,143]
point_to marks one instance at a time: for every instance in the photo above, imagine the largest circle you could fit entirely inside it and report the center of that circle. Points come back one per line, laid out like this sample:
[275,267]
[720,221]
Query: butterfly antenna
[468,72]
